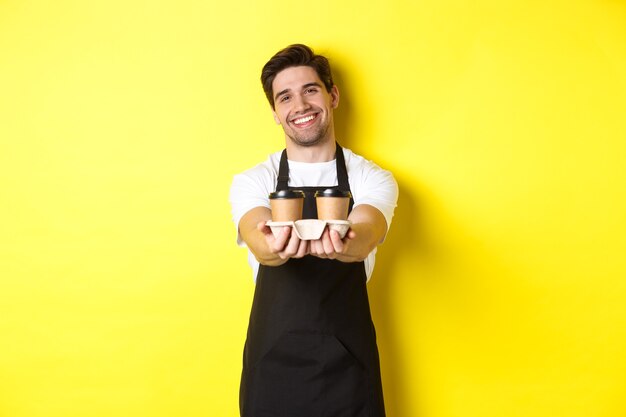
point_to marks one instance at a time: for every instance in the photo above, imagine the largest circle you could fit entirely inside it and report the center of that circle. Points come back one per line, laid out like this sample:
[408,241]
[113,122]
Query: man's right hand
[286,244]
[267,249]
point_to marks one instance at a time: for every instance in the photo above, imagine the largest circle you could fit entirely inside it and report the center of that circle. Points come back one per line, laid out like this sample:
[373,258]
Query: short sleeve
[374,186]
[249,190]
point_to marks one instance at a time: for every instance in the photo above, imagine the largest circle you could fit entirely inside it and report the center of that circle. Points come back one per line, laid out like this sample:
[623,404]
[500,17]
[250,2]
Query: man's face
[303,106]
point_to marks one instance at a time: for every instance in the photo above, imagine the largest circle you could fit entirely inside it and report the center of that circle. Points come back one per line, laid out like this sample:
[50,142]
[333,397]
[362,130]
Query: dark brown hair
[294,56]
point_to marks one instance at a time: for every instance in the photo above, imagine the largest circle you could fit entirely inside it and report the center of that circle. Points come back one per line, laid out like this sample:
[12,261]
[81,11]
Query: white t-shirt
[369,184]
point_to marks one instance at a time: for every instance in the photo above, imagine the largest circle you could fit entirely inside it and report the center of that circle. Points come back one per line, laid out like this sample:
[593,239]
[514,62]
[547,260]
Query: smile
[304,120]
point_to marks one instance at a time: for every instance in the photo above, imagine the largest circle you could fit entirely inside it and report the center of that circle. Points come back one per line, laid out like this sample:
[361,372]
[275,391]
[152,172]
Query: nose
[301,103]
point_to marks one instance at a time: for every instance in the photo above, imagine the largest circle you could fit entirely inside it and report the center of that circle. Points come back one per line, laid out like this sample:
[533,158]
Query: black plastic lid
[284,194]
[333,192]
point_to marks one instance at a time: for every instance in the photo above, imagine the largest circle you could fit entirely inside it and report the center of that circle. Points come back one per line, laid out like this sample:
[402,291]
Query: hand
[330,245]
[286,245]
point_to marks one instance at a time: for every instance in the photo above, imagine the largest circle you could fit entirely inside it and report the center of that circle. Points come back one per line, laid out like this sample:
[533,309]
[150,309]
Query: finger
[317,248]
[292,246]
[303,249]
[263,227]
[329,249]
[312,247]
[278,244]
[336,241]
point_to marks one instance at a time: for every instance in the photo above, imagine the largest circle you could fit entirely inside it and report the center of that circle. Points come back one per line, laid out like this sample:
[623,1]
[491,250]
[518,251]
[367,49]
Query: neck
[322,152]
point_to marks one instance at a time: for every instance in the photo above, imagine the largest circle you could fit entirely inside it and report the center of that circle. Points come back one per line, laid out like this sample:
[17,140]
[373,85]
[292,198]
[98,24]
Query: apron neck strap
[283,172]
[342,172]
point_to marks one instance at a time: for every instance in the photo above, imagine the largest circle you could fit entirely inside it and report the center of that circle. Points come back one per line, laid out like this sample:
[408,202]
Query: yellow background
[500,291]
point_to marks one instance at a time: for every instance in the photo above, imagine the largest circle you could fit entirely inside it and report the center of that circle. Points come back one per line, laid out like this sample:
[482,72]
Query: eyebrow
[286,90]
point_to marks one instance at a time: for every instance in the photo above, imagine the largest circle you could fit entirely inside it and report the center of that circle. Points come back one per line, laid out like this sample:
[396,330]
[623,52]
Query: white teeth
[304,119]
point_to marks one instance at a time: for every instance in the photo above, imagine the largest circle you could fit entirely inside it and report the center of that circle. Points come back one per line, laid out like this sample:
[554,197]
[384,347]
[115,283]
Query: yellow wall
[500,290]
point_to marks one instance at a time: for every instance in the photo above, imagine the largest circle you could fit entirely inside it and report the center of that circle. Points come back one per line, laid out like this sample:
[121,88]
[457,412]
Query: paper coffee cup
[286,205]
[332,204]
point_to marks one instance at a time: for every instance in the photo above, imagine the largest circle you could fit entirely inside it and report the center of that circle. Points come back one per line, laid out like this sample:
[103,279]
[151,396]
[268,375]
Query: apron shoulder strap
[342,172]
[283,172]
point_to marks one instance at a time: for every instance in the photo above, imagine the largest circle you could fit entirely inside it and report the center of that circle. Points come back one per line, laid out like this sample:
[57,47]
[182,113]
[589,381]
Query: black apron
[311,345]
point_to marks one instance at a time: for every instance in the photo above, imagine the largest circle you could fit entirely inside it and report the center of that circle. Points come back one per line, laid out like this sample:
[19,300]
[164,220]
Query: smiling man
[304,111]
[311,345]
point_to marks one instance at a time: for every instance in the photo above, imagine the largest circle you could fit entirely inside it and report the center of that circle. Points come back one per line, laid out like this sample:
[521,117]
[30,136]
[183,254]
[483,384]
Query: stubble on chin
[317,138]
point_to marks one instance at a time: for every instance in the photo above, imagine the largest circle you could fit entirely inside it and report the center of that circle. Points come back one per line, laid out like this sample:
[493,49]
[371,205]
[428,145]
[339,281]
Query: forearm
[360,246]
[256,242]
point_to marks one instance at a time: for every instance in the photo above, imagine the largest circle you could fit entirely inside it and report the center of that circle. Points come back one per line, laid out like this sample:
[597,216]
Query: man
[311,346]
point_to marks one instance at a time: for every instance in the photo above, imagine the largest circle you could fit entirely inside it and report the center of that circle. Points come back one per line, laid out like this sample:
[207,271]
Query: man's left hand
[330,245]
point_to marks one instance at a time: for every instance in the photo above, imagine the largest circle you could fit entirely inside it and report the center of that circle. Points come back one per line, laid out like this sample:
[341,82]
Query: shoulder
[370,184]
[266,169]
[251,188]
[364,169]
[257,181]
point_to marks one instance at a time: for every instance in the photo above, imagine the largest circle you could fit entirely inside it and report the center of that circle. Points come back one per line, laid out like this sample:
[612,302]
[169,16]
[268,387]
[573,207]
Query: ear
[334,96]
[276,119]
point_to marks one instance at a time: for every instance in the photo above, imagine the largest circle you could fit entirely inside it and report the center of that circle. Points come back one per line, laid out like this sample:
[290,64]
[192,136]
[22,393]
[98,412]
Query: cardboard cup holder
[311,229]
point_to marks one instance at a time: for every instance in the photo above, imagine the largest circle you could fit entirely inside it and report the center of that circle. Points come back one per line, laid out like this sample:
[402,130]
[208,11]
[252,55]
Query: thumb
[263,227]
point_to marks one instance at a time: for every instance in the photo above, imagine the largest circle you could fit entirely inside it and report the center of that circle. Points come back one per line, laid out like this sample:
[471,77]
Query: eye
[284,98]
[310,90]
